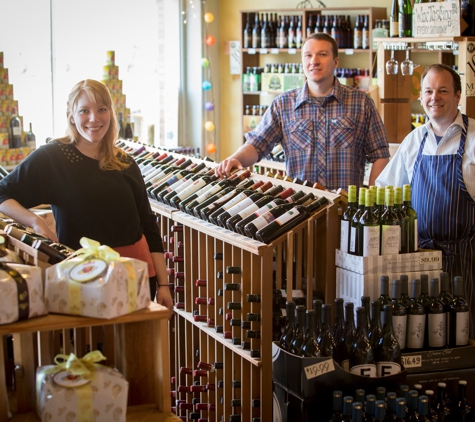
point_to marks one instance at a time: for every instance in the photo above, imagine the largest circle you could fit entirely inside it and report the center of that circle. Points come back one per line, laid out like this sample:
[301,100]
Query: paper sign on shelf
[235,57]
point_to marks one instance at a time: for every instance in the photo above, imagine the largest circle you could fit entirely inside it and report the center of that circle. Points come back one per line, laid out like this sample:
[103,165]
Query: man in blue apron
[438,160]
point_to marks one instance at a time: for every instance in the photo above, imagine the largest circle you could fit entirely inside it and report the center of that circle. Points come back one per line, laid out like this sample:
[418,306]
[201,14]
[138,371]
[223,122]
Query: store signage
[470,71]
[440,19]
[235,57]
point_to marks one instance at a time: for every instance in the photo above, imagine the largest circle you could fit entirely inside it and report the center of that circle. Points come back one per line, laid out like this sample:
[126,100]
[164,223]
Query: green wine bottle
[369,229]
[346,219]
[355,222]
[412,239]
[390,227]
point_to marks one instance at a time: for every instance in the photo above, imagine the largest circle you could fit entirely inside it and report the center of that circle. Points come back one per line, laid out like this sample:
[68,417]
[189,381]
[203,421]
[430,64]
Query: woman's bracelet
[163,285]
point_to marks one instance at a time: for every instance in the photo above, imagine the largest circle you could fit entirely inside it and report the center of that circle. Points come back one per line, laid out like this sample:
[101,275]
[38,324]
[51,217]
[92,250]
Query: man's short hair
[322,36]
[438,67]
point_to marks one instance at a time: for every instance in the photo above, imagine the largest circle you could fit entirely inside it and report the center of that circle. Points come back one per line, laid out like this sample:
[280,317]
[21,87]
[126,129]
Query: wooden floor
[143,413]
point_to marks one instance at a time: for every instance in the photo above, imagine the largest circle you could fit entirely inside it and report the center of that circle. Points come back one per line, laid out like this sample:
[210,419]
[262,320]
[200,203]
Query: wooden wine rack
[305,257]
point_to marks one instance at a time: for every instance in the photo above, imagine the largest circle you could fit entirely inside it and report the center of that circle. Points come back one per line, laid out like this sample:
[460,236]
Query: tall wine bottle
[463,408]
[405,18]
[339,329]
[403,220]
[376,330]
[412,236]
[288,334]
[458,328]
[416,319]
[300,330]
[355,222]
[384,290]
[390,227]
[366,303]
[362,356]
[346,219]
[379,209]
[349,334]
[399,314]
[326,341]
[310,346]
[436,318]
[389,351]
[369,229]
[394,19]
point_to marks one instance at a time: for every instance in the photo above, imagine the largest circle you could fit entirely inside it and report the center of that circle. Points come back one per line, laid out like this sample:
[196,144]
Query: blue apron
[446,213]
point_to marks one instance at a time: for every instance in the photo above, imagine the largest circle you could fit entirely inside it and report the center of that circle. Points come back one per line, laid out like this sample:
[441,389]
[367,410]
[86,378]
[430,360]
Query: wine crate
[350,286]
[423,260]
[440,360]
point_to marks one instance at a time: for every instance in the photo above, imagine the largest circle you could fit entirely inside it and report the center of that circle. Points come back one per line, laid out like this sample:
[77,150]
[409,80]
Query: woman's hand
[164,297]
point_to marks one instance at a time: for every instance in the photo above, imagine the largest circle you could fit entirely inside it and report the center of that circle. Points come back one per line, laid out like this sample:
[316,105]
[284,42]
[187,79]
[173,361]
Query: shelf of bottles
[221,282]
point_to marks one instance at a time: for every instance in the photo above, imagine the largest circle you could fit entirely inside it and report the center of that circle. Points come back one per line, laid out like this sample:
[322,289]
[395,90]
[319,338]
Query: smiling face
[319,62]
[92,119]
[439,98]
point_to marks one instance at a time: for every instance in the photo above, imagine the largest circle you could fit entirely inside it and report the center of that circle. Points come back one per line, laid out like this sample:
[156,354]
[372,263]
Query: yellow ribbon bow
[77,366]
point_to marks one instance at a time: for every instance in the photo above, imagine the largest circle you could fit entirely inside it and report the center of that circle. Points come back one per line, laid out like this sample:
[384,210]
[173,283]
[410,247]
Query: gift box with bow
[21,292]
[95,281]
[80,390]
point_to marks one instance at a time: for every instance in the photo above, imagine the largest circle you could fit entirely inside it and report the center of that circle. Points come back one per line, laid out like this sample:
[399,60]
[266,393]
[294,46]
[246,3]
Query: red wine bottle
[285,341]
[388,354]
[458,327]
[362,359]
[416,319]
[436,318]
[399,314]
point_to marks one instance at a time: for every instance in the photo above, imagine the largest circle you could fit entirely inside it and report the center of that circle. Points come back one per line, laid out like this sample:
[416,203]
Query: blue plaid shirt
[327,142]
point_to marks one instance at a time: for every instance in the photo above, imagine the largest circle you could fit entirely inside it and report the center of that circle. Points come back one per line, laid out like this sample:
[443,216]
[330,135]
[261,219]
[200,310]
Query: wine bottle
[391,398]
[390,227]
[362,356]
[441,407]
[436,318]
[463,408]
[394,19]
[445,295]
[412,236]
[432,413]
[246,35]
[379,209]
[349,334]
[380,411]
[384,290]
[15,130]
[389,350]
[413,405]
[425,297]
[405,18]
[30,139]
[347,408]
[380,393]
[337,406]
[288,334]
[190,190]
[376,330]
[300,330]
[354,224]
[403,220]
[369,229]
[289,220]
[366,303]
[54,255]
[317,307]
[416,319]
[326,341]
[256,33]
[370,408]
[458,326]
[401,407]
[357,412]
[346,219]
[339,328]
[310,346]
[399,315]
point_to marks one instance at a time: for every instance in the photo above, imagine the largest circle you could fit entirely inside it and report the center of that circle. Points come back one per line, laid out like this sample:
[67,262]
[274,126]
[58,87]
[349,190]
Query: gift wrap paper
[27,303]
[103,399]
[122,288]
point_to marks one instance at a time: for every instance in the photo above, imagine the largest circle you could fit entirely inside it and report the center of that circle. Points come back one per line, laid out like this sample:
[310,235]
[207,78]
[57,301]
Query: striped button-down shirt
[325,140]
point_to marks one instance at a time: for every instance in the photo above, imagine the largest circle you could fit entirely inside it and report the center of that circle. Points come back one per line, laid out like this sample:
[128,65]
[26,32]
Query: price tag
[263,51]
[274,51]
[412,361]
[251,51]
[318,369]
[349,51]
[292,51]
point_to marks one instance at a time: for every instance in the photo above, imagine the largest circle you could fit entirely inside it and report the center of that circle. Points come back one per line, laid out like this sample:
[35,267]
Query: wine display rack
[302,259]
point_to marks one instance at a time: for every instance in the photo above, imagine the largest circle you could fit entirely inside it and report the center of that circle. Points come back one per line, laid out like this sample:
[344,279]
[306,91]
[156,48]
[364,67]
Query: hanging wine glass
[392,65]
[407,66]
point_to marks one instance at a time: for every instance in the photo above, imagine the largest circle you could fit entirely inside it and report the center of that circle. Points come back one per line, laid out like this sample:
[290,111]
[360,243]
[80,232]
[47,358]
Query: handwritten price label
[318,369]
[411,361]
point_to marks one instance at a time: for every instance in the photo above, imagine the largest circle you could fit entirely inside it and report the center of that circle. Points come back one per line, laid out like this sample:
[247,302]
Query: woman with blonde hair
[94,188]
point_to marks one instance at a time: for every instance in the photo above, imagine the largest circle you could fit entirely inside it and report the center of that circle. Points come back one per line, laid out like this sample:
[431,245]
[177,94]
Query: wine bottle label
[197,184]
[234,201]
[16,131]
[353,239]
[240,206]
[265,209]
[263,220]
[176,184]
[288,216]
[436,329]
[399,327]
[388,368]
[390,239]
[371,240]
[344,235]
[461,328]
[185,183]
[223,199]
[366,370]
[394,29]
[208,193]
[345,364]
[248,211]
[415,331]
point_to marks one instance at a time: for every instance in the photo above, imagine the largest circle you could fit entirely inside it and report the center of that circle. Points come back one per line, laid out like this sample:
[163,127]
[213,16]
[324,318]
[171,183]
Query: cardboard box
[424,260]
[281,82]
[440,360]
[312,378]
[250,122]
[350,286]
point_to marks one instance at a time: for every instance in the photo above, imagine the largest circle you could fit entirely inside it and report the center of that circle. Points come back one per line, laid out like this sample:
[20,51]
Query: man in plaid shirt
[327,130]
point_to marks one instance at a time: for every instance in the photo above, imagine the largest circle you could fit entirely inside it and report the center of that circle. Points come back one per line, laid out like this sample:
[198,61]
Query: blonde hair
[111,157]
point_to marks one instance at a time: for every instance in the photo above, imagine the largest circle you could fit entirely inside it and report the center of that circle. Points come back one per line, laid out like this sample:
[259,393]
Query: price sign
[318,369]
[412,361]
